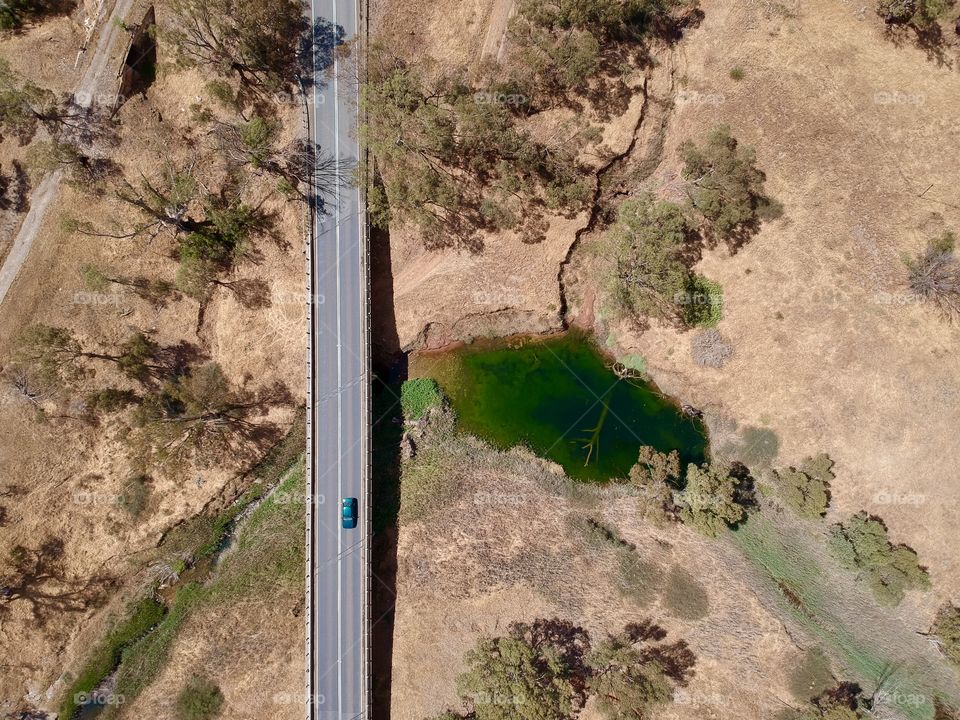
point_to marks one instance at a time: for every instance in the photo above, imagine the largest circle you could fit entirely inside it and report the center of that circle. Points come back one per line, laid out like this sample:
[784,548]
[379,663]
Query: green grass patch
[144,614]
[200,699]
[142,661]
[635,362]
[418,395]
[809,596]
[267,557]
[268,554]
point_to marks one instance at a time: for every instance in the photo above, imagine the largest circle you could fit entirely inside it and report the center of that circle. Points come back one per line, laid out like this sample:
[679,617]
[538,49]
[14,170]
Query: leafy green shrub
[685,596]
[704,302]
[200,699]
[946,626]
[921,14]
[419,395]
[862,544]
[737,73]
[807,491]
[813,677]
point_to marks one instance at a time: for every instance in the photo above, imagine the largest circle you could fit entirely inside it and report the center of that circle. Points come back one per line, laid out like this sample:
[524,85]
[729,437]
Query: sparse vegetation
[685,596]
[946,626]
[813,676]
[200,699]
[710,349]
[891,570]
[934,275]
[637,578]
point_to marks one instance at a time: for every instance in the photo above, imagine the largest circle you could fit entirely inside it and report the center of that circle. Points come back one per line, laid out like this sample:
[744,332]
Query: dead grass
[65,459]
[504,548]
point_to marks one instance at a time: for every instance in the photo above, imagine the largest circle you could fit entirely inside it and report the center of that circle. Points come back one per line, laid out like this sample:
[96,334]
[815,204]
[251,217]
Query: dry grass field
[61,476]
[831,352]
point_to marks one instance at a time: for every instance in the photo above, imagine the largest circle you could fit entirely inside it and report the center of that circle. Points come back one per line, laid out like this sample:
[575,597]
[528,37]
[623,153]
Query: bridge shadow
[390,370]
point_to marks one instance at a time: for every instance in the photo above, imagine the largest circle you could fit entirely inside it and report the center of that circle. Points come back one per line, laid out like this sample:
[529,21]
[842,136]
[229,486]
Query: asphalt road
[337,581]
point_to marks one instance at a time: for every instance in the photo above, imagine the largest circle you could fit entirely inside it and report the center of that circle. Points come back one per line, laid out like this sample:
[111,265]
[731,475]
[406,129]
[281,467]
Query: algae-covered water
[561,398]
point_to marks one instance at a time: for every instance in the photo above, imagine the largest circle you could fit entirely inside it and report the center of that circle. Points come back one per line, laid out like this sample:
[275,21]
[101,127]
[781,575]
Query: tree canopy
[711,500]
[255,41]
[807,490]
[862,544]
[453,164]
[725,186]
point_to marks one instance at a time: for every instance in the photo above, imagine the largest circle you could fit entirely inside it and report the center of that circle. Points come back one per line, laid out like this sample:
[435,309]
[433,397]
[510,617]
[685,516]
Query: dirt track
[95,80]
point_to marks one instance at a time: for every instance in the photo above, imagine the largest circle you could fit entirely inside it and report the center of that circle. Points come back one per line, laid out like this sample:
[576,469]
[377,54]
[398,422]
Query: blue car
[349,506]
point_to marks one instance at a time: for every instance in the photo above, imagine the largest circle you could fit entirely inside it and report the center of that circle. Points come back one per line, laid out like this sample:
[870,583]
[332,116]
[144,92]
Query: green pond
[560,397]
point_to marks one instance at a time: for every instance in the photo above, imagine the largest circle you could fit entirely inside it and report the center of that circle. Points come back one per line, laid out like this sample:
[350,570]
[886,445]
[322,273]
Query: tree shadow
[317,50]
[929,38]
[251,293]
[38,576]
